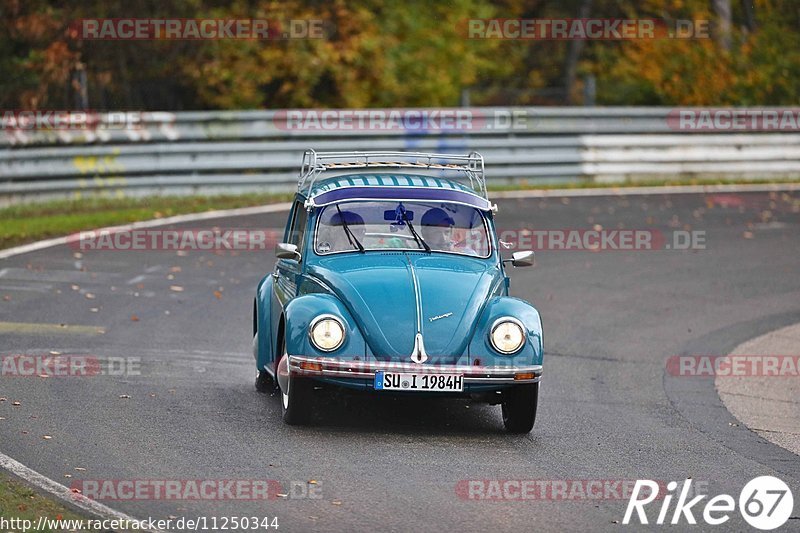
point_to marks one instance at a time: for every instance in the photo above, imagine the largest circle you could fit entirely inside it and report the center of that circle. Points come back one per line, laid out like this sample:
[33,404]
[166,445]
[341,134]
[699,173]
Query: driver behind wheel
[336,237]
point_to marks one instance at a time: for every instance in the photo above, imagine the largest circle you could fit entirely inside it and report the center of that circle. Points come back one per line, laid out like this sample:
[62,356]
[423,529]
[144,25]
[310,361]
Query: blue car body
[392,303]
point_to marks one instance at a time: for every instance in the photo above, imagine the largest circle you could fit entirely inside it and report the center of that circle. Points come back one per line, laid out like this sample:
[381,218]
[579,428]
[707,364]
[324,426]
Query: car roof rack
[317,163]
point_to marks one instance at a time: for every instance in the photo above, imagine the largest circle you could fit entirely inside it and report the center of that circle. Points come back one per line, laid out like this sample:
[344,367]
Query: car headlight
[326,332]
[507,335]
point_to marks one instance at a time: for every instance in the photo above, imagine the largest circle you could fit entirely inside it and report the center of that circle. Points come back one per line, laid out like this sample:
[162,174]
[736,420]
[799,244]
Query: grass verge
[25,223]
[20,502]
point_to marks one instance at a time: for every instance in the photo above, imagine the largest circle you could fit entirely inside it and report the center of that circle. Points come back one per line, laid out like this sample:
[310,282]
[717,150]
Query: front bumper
[327,367]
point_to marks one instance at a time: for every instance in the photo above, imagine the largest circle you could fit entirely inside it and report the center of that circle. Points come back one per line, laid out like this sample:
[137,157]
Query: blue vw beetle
[389,279]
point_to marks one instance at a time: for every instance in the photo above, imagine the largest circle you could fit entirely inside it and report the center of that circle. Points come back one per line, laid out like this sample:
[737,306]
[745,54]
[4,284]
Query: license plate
[419,382]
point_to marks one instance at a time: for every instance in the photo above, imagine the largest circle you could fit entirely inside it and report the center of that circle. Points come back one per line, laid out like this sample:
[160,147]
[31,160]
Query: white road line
[38,288]
[61,492]
[179,219]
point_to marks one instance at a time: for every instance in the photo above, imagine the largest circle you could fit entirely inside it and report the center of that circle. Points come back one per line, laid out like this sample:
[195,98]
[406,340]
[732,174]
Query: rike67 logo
[765,503]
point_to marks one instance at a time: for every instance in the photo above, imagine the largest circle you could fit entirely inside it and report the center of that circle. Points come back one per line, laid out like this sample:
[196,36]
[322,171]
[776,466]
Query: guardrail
[226,152]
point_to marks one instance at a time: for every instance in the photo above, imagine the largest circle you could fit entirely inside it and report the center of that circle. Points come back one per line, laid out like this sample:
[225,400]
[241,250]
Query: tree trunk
[573,55]
[722,10]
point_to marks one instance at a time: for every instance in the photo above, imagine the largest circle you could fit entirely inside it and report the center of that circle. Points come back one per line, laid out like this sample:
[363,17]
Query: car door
[288,271]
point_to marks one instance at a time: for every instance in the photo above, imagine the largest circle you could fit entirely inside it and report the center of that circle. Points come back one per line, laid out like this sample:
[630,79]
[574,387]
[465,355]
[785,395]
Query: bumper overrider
[328,367]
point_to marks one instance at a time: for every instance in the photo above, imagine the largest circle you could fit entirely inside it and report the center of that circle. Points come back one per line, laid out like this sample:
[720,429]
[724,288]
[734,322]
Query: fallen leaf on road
[47,437]
[218,295]
[312,482]
[90,296]
[748,235]
[16,404]
[175,269]
[176,288]
[80,469]
[53,352]
[124,396]
[336,502]
[6,298]
[134,318]
[68,475]
[75,287]
[94,309]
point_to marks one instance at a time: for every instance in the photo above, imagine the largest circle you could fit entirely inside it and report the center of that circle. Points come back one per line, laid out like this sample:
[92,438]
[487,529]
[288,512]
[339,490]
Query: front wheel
[296,395]
[519,407]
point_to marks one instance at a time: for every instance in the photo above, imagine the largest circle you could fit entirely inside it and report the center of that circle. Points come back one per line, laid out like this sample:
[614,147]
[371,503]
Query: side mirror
[284,250]
[522,259]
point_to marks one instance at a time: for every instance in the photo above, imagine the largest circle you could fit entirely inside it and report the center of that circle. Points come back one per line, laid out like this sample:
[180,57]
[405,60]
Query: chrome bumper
[335,368]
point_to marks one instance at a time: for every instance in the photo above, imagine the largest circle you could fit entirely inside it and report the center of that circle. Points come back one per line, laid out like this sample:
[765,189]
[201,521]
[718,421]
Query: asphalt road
[608,408]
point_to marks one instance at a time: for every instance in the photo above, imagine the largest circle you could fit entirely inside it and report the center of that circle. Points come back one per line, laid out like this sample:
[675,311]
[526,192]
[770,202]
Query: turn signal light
[313,367]
[524,375]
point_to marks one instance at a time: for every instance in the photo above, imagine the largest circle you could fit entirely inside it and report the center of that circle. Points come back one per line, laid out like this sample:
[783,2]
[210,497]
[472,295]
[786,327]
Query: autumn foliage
[392,54]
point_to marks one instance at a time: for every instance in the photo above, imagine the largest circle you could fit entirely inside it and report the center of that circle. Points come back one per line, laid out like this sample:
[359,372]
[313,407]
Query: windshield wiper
[420,240]
[350,237]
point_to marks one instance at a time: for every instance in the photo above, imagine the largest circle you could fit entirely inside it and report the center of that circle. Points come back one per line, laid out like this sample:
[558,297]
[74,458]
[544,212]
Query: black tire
[297,402]
[519,407]
[264,382]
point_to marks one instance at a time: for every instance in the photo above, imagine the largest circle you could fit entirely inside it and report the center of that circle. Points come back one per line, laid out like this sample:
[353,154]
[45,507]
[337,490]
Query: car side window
[298,229]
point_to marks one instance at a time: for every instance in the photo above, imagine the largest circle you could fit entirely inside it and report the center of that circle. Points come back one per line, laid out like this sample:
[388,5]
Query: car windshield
[382,225]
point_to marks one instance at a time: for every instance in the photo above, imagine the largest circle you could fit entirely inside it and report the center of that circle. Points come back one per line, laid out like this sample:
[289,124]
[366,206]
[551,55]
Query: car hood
[378,289]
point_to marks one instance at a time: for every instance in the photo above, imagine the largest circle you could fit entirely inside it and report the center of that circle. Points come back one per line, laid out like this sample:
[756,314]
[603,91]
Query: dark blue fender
[302,310]
[264,343]
[531,353]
